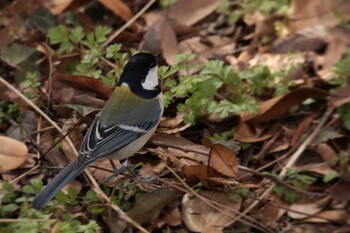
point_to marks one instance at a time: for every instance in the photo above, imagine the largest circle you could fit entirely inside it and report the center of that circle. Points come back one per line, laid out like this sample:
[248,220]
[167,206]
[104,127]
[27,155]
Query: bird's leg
[127,167]
[116,171]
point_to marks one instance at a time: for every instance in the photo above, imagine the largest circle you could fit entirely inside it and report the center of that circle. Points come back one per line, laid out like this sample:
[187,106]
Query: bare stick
[128,23]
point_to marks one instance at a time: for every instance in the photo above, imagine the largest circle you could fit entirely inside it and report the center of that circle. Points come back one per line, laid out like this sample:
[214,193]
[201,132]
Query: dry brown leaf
[303,126]
[323,169]
[69,86]
[272,213]
[337,46]
[340,192]
[333,215]
[314,12]
[161,38]
[327,153]
[152,169]
[219,46]
[223,160]
[13,153]
[276,107]
[178,142]
[57,6]
[199,217]
[341,97]
[172,122]
[195,157]
[246,133]
[308,39]
[148,205]
[200,172]
[118,7]
[183,12]
[306,209]
[172,217]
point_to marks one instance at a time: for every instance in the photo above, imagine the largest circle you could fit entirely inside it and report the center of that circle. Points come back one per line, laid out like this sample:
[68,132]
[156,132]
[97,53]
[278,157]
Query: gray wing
[103,140]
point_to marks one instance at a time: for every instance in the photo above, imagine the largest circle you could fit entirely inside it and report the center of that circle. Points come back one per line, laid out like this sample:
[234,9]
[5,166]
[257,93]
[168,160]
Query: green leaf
[291,196]
[101,33]
[9,208]
[243,192]
[278,190]
[225,108]
[76,35]
[91,197]
[97,209]
[306,179]
[65,47]
[223,6]
[166,71]
[331,175]
[168,98]
[112,51]
[25,84]
[29,189]
[90,41]
[170,83]
[38,184]
[166,3]
[58,34]
[234,17]
[69,198]
[298,184]
[91,227]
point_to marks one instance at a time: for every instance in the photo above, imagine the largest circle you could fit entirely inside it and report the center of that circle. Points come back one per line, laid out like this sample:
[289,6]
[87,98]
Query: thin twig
[24,174]
[294,157]
[128,23]
[281,182]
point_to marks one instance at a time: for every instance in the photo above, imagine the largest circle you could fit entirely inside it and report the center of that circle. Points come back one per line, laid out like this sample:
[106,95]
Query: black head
[140,74]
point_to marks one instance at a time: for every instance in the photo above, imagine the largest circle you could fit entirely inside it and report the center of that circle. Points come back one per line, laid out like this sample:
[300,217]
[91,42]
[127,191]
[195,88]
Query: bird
[123,126]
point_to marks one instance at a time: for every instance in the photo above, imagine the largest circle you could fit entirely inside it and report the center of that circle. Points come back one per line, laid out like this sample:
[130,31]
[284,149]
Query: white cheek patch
[151,80]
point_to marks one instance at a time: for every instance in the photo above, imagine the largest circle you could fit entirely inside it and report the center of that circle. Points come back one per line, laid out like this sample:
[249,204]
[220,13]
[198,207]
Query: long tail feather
[63,178]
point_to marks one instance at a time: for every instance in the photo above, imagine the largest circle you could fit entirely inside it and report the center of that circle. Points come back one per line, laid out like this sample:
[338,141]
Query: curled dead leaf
[58,6]
[246,133]
[200,172]
[341,97]
[276,107]
[303,210]
[84,83]
[303,126]
[200,217]
[223,160]
[183,12]
[149,205]
[339,215]
[13,153]
[340,192]
[315,12]
[119,8]
[161,38]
